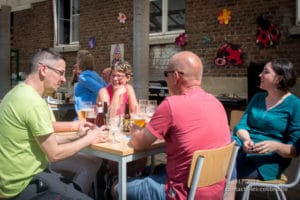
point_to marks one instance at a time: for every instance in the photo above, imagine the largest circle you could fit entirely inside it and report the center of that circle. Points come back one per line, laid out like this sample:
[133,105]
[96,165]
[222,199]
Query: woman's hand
[267,146]
[248,146]
[119,89]
[247,142]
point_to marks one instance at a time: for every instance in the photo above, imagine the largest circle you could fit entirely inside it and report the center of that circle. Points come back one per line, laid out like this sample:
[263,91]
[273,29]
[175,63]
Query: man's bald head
[188,63]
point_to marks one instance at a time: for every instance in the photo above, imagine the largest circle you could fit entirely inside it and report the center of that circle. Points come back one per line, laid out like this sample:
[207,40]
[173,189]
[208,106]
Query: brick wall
[201,22]
[99,19]
[33,28]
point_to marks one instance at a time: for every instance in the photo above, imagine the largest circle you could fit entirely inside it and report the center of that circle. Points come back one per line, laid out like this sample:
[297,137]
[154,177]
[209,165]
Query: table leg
[122,178]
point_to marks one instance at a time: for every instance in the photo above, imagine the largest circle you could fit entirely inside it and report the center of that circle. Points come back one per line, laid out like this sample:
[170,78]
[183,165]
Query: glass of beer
[138,119]
[91,115]
[84,107]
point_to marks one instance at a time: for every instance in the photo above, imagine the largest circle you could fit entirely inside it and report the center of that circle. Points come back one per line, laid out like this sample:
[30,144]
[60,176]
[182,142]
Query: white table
[123,153]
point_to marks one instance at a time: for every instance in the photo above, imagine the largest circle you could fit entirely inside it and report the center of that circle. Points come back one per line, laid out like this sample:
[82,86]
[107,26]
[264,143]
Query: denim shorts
[146,188]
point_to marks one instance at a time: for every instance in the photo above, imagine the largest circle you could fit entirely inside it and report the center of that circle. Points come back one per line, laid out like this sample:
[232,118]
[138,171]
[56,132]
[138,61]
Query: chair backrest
[211,166]
[235,117]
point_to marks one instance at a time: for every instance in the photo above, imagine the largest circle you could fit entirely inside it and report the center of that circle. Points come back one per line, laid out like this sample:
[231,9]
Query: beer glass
[84,107]
[90,115]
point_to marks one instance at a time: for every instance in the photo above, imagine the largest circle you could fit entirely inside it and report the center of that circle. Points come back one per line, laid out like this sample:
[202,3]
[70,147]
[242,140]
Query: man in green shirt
[27,141]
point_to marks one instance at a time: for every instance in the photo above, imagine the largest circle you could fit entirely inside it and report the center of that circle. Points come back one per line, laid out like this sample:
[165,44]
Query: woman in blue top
[89,82]
[270,127]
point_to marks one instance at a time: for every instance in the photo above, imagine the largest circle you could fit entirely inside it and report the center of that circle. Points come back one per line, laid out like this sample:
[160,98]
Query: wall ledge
[294,30]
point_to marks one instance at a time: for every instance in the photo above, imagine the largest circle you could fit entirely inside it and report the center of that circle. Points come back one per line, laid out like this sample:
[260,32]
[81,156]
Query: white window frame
[73,46]
[165,36]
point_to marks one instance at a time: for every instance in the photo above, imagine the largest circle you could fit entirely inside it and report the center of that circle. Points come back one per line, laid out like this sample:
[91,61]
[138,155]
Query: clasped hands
[260,147]
[99,134]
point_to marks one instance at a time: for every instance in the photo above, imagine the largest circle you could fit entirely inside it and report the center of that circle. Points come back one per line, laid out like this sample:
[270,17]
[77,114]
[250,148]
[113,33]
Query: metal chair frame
[279,188]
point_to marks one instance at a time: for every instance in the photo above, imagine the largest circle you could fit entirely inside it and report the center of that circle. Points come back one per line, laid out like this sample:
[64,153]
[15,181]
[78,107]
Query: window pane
[64,32]
[176,15]
[63,9]
[75,7]
[63,17]
[155,16]
[75,28]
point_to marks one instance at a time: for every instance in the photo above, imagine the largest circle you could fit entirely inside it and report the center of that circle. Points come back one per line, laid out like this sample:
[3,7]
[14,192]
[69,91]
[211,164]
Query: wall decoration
[267,33]
[122,18]
[224,16]
[92,43]
[229,54]
[116,53]
[206,39]
[181,39]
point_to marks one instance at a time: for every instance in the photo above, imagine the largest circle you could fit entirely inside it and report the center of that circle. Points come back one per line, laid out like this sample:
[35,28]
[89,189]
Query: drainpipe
[141,48]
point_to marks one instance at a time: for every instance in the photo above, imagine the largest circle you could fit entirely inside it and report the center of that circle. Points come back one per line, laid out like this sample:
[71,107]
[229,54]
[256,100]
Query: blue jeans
[146,188]
[244,167]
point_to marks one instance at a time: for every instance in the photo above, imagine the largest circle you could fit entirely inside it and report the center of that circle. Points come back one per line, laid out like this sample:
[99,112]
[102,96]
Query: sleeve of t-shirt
[161,120]
[39,120]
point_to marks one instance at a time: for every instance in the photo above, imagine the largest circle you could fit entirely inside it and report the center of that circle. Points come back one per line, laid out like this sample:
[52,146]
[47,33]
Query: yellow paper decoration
[224,16]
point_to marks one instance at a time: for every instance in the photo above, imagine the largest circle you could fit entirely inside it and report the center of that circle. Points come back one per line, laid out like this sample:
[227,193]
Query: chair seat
[283,179]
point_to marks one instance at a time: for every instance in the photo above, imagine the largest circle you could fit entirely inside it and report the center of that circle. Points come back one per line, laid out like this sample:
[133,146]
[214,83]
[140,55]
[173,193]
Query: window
[67,24]
[167,17]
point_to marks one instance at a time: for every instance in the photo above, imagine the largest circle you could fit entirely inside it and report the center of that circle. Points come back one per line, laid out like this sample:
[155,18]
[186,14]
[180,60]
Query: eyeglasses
[171,71]
[118,76]
[59,72]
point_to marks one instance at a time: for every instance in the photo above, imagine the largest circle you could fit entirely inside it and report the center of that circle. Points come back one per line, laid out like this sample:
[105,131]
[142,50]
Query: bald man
[188,120]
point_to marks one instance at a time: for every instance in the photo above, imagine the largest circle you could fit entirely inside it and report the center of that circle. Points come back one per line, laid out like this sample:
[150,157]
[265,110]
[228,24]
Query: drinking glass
[138,119]
[84,107]
[151,107]
[142,106]
[91,115]
[114,127]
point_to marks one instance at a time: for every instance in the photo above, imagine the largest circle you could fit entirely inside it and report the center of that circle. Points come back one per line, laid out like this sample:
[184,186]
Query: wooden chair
[211,166]
[235,117]
[278,185]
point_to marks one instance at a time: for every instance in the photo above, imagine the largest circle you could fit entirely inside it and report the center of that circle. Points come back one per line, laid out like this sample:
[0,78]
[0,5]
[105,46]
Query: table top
[123,148]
